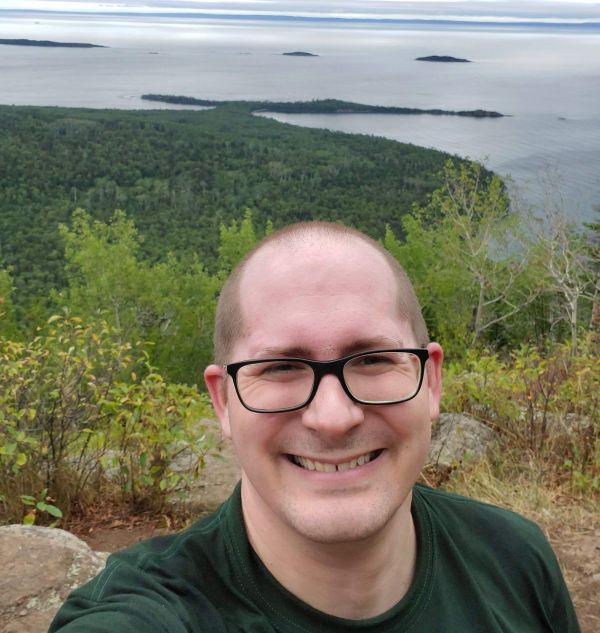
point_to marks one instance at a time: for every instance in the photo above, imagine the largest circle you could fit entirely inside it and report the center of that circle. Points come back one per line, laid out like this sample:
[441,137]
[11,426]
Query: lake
[547,80]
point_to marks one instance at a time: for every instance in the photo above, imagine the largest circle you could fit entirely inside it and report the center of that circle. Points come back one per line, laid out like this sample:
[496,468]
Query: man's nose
[331,411]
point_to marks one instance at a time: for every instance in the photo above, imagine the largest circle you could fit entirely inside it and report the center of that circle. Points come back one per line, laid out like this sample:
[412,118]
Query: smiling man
[326,384]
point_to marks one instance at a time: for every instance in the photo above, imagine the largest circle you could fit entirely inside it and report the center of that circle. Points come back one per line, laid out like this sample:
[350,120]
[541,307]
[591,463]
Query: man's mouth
[327,467]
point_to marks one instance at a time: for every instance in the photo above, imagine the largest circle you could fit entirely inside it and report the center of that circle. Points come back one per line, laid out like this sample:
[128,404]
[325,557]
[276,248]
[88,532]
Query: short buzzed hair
[229,321]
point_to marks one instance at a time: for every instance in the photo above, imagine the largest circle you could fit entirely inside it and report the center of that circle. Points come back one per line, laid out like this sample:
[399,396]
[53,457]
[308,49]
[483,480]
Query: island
[317,106]
[442,58]
[48,43]
[300,54]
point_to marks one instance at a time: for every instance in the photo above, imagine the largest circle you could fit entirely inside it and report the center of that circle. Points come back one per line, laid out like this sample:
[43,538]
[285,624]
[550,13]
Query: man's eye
[281,368]
[375,360]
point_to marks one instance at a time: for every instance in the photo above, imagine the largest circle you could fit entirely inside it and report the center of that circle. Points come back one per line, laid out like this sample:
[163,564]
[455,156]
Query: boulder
[40,567]
[456,437]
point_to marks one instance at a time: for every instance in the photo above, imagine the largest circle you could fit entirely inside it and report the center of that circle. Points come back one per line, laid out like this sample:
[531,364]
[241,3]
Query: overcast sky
[561,10]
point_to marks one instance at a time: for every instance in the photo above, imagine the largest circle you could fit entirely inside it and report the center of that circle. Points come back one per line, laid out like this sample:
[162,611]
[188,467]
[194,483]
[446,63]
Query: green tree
[168,305]
[102,271]
[180,176]
[178,318]
[461,249]
[235,241]
[8,319]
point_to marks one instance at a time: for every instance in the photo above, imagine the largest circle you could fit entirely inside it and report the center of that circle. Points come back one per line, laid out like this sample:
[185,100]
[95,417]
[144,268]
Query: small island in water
[442,58]
[300,54]
[48,43]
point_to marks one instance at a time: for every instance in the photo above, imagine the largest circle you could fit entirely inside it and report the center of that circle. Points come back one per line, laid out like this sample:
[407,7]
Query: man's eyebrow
[376,342]
[362,345]
[286,352]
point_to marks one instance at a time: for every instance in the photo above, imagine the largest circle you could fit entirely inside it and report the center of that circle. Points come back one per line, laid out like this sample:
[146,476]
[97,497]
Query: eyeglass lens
[376,377]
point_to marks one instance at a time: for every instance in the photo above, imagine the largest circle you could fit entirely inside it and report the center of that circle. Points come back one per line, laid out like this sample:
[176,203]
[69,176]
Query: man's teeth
[324,467]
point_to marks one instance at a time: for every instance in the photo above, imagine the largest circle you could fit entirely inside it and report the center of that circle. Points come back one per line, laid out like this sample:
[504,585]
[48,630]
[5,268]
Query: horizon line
[459,20]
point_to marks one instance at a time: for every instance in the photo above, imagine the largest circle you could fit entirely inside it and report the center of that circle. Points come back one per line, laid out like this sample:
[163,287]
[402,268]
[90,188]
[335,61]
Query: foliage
[570,264]
[545,406]
[102,268]
[169,305]
[439,284]
[317,106]
[181,175]
[159,437]
[458,251]
[235,241]
[72,407]
[8,319]
[40,504]
[94,400]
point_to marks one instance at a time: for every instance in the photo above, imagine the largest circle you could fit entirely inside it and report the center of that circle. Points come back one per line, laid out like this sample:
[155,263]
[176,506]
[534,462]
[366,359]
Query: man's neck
[354,580]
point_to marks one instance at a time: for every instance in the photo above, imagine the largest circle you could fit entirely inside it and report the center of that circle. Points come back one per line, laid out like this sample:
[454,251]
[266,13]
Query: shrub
[76,403]
[543,406]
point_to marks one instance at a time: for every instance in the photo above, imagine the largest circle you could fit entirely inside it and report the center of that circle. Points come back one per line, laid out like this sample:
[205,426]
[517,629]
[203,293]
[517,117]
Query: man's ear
[433,369]
[215,378]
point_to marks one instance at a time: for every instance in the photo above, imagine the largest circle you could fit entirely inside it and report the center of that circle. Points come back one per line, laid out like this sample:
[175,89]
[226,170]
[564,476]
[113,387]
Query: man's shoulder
[493,552]
[201,535]
[456,512]
[163,583]
[439,498]
[485,534]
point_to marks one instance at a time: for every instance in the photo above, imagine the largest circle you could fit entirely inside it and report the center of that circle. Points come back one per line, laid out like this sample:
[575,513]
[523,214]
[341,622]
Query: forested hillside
[117,230]
[180,175]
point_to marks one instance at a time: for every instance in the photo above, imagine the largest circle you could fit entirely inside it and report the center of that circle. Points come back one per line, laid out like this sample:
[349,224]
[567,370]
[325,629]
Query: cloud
[496,10]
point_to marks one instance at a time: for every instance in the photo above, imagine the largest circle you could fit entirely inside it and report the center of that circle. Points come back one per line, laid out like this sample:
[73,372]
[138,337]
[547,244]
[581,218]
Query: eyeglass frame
[322,368]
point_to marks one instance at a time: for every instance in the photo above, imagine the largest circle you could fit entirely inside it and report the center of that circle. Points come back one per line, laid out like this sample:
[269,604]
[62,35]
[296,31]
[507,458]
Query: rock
[457,437]
[40,567]
[570,423]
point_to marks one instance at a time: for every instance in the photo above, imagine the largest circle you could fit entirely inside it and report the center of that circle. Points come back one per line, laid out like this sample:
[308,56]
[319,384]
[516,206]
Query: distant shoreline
[320,106]
[506,24]
[48,43]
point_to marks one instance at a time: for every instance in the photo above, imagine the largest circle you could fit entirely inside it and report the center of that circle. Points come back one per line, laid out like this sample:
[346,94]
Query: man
[326,384]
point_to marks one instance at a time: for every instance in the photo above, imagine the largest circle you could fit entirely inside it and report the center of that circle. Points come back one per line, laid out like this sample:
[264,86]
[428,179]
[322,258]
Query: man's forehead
[328,350]
[316,302]
[294,258]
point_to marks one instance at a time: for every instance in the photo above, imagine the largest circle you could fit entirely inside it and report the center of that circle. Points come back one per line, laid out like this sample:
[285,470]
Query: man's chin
[339,521]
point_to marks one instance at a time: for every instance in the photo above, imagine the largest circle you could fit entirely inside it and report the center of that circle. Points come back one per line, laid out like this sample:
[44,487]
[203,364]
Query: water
[548,80]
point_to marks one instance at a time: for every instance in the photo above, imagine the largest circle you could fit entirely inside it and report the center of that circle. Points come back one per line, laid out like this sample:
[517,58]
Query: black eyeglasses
[275,385]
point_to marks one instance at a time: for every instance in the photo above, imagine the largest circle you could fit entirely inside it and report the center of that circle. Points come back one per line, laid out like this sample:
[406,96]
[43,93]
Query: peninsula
[319,106]
[48,43]
[442,58]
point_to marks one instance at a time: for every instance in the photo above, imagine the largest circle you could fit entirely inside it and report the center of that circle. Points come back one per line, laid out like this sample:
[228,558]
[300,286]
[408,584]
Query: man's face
[322,301]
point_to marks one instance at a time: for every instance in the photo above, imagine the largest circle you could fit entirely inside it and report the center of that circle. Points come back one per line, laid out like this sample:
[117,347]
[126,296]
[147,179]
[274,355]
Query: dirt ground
[579,556]
[578,550]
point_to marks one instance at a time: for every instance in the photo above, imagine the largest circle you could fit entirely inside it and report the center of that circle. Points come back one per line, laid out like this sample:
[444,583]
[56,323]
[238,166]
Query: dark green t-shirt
[479,569]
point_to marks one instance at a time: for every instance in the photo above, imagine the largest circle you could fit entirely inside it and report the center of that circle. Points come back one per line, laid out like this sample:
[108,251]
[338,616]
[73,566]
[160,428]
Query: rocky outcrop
[456,438]
[40,567]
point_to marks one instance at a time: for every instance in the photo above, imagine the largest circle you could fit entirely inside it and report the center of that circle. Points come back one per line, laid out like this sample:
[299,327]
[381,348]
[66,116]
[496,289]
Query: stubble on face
[347,512]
